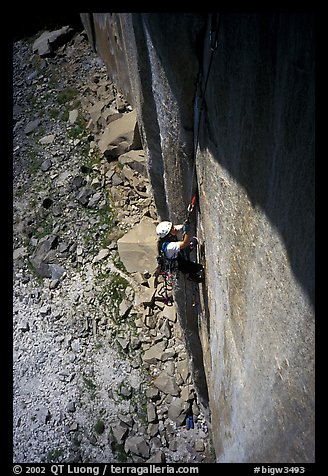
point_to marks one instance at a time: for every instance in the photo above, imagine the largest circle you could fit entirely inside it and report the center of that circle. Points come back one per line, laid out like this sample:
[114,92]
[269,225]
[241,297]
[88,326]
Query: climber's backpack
[167,267]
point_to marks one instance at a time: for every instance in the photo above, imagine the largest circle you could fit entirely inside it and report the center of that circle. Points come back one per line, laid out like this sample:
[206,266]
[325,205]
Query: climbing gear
[163,229]
[186,227]
[163,296]
[189,422]
[163,292]
[198,111]
[168,268]
[200,95]
[214,32]
[191,205]
[193,243]
[189,210]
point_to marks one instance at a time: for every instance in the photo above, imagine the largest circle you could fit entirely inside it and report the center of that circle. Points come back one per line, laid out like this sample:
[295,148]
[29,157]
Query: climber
[174,249]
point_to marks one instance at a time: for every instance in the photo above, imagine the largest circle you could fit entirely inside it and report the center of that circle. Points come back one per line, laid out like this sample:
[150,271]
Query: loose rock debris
[97,376]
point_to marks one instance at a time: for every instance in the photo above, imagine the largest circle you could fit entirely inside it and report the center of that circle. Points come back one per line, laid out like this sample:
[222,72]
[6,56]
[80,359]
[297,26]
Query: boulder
[177,410]
[136,160]
[154,353]
[167,384]
[49,40]
[120,136]
[138,247]
[138,446]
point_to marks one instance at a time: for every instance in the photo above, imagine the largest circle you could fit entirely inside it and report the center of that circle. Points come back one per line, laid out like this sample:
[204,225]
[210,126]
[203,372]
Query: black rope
[214,34]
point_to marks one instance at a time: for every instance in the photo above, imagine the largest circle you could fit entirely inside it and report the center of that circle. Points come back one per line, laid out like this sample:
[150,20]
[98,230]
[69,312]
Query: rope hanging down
[214,33]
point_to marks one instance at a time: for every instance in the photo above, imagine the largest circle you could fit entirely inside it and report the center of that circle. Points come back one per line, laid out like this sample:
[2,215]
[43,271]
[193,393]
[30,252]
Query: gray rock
[183,369]
[84,195]
[31,126]
[199,446]
[44,45]
[173,446]
[126,419]
[120,136]
[137,445]
[45,310]
[46,165]
[124,343]
[56,271]
[158,457]
[94,200]
[125,390]
[154,353]
[47,139]
[135,343]
[152,393]
[151,412]
[120,432]
[124,308]
[136,160]
[152,429]
[169,368]
[138,247]
[42,414]
[177,410]
[19,253]
[77,182]
[73,115]
[167,384]
[24,326]
[71,407]
[166,329]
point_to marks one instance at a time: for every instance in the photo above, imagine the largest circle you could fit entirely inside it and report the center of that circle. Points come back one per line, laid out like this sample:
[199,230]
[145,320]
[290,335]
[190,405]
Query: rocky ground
[98,376]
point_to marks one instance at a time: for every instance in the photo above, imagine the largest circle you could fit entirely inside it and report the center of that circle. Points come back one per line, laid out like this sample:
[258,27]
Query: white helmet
[163,228]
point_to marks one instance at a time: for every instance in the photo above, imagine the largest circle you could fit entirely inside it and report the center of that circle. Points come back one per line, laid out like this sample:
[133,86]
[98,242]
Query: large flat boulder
[136,160]
[120,136]
[49,40]
[138,247]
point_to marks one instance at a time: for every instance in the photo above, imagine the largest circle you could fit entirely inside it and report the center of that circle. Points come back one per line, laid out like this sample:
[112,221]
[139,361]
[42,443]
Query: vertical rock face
[251,337]
[140,50]
[256,176]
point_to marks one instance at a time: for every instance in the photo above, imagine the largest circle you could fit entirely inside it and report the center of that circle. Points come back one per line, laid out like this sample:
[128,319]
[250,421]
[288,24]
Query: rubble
[98,377]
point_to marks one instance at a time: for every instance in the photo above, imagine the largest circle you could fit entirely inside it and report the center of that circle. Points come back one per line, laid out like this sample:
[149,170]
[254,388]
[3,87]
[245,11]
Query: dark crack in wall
[251,334]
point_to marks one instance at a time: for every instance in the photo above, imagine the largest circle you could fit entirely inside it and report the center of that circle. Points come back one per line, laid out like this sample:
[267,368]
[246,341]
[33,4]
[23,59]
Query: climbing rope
[214,34]
[167,288]
[199,106]
[170,279]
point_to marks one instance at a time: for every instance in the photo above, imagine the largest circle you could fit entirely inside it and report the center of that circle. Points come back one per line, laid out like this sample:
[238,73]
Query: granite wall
[246,103]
